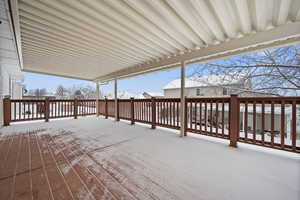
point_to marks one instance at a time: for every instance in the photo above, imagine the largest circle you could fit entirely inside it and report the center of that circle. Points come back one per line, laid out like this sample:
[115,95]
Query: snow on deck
[94,158]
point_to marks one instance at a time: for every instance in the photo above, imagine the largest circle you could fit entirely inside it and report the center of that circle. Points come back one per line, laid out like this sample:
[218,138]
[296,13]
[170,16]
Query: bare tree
[274,71]
[86,91]
[78,94]
[40,92]
[61,92]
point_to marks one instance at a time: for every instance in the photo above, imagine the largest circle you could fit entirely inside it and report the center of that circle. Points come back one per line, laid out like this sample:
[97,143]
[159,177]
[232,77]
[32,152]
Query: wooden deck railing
[270,122]
[25,110]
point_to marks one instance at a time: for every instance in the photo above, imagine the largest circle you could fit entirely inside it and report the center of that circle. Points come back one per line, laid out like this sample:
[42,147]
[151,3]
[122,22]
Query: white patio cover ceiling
[107,39]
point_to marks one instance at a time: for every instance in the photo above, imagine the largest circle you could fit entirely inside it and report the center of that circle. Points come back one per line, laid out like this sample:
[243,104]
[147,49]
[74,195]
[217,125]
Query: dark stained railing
[61,108]
[270,122]
[208,116]
[124,109]
[25,110]
[167,113]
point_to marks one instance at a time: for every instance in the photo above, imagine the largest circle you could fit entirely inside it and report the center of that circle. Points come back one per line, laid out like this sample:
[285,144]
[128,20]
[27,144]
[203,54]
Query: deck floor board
[93,158]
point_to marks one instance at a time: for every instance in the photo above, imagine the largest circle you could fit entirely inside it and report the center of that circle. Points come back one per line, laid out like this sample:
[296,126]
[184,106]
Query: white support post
[182,100]
[116,99]
[97,98]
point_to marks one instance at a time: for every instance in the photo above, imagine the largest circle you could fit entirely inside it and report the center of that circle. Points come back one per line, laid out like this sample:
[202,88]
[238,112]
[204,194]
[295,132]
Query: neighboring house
[209,86]
[223,86]
[124,95]
[11,77]
[212,120]
[149,95]
[11,81]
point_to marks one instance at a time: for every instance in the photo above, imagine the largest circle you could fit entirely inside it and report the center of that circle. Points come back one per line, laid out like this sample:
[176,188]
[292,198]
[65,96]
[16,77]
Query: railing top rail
[124,100]
[86,99]
[269,99]
[226,99]
[28,100]
[61,100]
[167,99]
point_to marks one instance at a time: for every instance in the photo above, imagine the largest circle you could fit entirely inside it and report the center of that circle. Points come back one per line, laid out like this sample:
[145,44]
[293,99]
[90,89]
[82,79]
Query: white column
[182,99]
[97,98]
[116,98]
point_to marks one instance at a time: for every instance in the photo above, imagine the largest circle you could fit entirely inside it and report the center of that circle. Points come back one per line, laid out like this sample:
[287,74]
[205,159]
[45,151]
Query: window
[226,91]
[199,92]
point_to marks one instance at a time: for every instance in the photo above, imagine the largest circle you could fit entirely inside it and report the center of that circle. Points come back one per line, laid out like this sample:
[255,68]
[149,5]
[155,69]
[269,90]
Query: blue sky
[153,82]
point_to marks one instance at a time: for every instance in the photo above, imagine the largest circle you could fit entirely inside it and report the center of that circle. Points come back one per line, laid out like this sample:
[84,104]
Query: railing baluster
[282,124]
[272,123]
[246,121]
[28,110]
[263,122]
[15,111]
[47,109]
[195,115]
[190,104]
[294,125]
[223,117]
[24,112]
[205,116]
[200,117]
[254,122]
[211,117]
[217,117]
[20,109]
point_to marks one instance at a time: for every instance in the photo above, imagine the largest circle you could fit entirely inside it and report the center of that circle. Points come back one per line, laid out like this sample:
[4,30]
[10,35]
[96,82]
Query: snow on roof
[125,95]
[154,94]
[210,80]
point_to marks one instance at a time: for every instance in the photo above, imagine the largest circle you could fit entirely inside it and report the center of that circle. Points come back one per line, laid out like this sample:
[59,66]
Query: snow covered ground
[158,164]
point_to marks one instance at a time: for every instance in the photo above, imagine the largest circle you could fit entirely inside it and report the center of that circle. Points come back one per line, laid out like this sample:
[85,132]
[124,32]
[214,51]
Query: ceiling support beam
[116,100]
[283,35]
[97,99]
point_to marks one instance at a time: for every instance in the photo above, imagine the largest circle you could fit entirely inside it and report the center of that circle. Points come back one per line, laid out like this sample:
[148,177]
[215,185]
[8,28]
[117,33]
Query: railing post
[234,120]
[97,99]
[182,101]
[97,107]
[132,110]
[47,109]
[153,105]
[185,117]
[6,111]
[75,108]
[118,110]
[106,108]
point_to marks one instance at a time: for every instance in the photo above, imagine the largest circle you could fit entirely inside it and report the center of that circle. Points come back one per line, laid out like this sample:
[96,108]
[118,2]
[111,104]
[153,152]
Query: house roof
[154,94]
[107,40]
[209,80]
[125,95]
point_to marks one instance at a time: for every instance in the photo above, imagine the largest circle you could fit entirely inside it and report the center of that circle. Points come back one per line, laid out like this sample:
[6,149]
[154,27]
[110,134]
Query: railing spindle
[282,124]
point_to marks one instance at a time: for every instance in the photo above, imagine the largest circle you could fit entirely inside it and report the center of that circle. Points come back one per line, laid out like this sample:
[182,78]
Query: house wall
[4,82]
[10,73]
[211,91]
[277,122]
[17,91]
[10,85]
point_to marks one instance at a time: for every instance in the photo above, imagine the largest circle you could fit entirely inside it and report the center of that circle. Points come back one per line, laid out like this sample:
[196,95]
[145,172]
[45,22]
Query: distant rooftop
[209,80]
[124,95]
[154,94]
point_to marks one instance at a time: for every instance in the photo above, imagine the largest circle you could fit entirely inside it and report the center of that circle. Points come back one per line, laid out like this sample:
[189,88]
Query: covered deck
[97,158]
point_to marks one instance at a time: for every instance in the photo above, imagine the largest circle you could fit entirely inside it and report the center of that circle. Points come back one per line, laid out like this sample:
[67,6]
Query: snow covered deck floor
[94,158]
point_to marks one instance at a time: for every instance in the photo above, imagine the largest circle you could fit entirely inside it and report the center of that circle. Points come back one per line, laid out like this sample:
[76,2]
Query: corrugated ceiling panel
[91,39]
